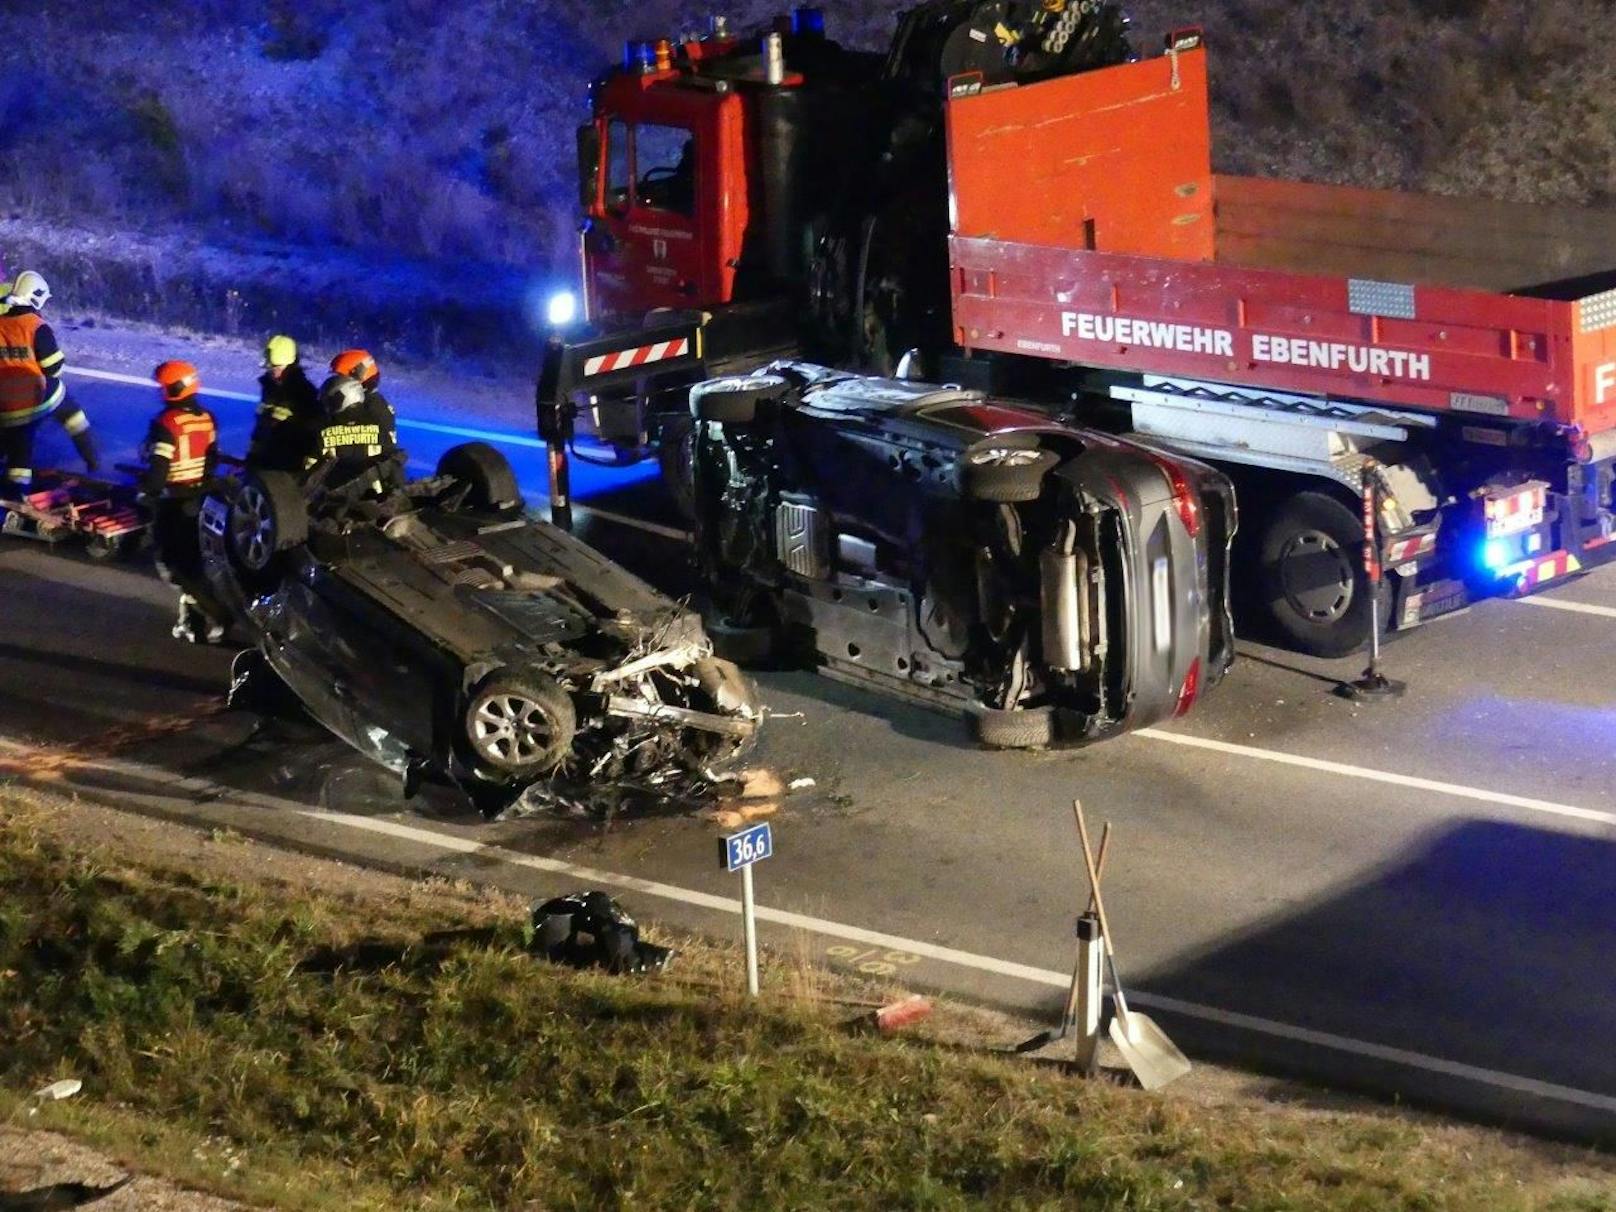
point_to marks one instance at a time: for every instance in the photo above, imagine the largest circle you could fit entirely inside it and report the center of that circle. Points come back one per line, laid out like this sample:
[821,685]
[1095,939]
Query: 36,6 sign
[751,846]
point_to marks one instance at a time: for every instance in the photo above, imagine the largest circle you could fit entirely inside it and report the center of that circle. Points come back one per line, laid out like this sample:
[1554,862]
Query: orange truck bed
[1090,228]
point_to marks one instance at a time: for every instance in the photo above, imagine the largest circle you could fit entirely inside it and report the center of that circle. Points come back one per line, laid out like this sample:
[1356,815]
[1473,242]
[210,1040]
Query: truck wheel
[739,643]
[1312,576]
[1005,470]
[735,400]
[268,517]
[491,484]
[675,455]
[1026,728]
[517,726]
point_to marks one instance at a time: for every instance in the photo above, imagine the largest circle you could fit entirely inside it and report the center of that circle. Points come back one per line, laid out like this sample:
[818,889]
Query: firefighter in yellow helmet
[288,411]
[180,450]
[31,387]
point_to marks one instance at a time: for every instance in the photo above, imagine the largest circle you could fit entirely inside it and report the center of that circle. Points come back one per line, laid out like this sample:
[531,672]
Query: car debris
[591,930]
[446,635]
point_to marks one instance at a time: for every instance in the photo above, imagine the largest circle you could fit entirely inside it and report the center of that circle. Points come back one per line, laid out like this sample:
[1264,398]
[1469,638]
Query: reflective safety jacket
[180,450]
[289,413]
[30,367]
[357,438]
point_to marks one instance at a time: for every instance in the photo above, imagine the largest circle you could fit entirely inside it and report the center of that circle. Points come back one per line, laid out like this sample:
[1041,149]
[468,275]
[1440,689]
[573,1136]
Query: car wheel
[490,482]
[1023,728]
[1314,587]
[268,517]
[735,400]
[1005,470]
[517,726]
[675,456]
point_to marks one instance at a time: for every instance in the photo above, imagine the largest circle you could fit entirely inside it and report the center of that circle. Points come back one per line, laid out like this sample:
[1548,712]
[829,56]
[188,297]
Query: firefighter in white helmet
[31,387]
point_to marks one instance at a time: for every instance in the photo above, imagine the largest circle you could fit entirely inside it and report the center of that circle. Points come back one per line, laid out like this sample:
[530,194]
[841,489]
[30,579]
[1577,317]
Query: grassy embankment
[323,1051]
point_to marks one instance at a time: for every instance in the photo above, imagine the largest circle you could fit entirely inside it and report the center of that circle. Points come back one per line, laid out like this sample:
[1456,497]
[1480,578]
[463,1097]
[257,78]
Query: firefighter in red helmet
[180,450]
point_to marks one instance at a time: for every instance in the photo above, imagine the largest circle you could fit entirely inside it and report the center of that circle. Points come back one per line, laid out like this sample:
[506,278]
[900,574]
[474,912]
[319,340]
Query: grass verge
[364,1050]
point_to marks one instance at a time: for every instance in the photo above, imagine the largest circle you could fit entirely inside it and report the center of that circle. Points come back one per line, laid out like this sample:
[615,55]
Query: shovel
[1154,1059]
[1069,1014]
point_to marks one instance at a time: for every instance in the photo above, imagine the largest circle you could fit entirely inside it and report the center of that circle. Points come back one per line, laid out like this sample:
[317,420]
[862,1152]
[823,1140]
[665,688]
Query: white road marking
[497,437]
[1606,612]
[1325,766]
[1048,978]
[458,431]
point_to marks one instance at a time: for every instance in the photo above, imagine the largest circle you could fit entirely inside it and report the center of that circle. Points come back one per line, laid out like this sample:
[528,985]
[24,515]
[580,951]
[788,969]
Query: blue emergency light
[806,20]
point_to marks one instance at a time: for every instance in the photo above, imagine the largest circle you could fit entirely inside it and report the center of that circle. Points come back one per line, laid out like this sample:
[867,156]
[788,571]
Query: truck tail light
[1184,498]
[1190,690]
[1515,508]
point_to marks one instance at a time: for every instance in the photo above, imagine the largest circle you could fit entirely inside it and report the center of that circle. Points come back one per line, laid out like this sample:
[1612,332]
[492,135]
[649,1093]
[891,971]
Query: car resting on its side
[1052,583]
[441,632]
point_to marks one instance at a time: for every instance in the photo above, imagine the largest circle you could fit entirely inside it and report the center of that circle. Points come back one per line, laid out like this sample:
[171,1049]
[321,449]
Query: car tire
[268,518]
[1313,585]
[516,726]
[490,482]
[1024,728]
[1005,470]
[735,400]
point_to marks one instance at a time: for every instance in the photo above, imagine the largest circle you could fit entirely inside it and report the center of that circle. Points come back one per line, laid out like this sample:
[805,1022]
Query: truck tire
[735,400]
[1313,584]
[741,644]
[1024,728]
[491,484]
[268,518]
[516,726]
[1005,470]
[675,456]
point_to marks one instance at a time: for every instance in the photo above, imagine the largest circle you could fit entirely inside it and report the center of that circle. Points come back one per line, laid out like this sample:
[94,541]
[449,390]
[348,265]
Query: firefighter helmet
[280,351]
[30,290]
[179,381]
[339,393]
[357,364]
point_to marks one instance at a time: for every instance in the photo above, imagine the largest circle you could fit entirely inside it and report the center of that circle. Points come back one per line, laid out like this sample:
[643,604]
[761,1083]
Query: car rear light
[1190,690]
[1184,498]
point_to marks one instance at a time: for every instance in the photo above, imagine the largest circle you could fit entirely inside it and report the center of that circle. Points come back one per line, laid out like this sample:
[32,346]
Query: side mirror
[588,165]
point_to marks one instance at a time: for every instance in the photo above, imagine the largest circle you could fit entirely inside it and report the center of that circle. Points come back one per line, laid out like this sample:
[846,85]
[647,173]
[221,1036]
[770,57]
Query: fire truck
[1012,199]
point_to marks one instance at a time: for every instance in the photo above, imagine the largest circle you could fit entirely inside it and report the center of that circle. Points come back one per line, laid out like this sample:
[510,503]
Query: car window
[665,165]
[619,153]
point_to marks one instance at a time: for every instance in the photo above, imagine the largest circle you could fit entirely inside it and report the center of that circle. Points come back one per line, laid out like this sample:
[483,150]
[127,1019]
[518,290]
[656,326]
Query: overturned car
[1049,582]
[441,632]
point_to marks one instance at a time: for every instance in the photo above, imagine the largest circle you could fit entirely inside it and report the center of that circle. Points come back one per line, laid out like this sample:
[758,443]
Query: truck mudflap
[584,366]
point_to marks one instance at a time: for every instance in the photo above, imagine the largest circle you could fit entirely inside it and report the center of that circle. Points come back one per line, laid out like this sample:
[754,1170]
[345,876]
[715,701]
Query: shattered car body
[440,631]
[1051,583]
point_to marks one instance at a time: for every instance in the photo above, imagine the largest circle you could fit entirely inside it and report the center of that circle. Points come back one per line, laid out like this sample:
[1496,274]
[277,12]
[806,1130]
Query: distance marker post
[738,852]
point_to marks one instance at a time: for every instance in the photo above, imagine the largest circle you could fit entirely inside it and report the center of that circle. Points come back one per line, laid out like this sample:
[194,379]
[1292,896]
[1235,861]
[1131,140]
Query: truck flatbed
[1100,260]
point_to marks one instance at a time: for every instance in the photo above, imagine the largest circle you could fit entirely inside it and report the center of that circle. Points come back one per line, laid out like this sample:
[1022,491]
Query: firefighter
[288,411]
[355,437]
[357,364]
[31,386]
[180,450]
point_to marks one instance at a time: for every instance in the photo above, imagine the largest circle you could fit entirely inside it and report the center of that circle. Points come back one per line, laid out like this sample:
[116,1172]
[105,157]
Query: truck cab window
[665,164]
[618,159]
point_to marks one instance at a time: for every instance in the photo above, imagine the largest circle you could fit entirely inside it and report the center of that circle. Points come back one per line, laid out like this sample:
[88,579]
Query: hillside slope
[444,132]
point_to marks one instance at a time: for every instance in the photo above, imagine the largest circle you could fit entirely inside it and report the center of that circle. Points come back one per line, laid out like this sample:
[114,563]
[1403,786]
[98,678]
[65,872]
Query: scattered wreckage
[441,632]
[1052,583]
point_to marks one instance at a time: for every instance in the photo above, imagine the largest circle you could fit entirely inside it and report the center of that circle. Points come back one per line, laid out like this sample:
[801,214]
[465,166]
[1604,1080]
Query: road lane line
[458,431]
[1414,782]
[1049,978]
[497,437]
[1605,612]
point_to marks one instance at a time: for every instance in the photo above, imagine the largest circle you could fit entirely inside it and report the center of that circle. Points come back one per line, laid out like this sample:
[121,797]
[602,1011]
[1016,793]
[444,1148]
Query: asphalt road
[1413,898]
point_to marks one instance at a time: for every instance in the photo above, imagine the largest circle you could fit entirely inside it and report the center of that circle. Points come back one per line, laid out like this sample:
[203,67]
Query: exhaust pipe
[1063,572]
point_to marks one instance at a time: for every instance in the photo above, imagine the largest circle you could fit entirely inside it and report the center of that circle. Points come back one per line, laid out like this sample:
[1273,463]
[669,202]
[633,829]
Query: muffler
[1063,571]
